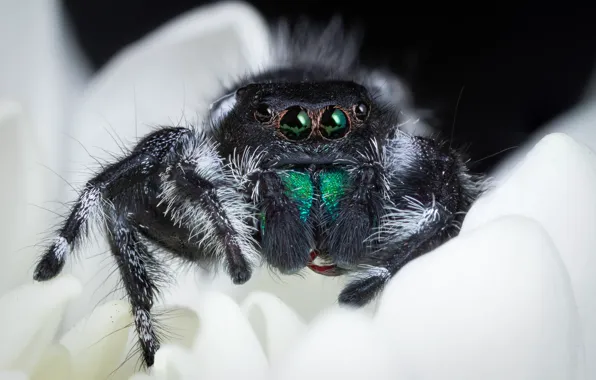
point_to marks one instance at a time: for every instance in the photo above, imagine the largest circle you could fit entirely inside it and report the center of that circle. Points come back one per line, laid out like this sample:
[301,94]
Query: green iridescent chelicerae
[332,186]
[299,187]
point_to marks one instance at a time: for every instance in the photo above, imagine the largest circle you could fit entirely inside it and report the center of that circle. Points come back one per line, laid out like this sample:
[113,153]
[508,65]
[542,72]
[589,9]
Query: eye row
[296,124]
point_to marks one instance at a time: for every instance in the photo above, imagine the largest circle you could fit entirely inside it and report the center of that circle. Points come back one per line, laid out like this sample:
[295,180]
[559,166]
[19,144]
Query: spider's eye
[295,124]
[263,113]
[241,91]
[334,124]
[361,111]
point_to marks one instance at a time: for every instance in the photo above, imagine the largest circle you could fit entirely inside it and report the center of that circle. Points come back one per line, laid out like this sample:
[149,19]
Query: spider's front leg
[109,198]
[121,192]
[90,208]
[200,196]
[135,264]
[431,192]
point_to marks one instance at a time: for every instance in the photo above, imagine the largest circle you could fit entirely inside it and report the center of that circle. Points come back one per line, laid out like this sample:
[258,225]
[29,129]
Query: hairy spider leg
[97,199]
[89,208]
[136,265]
[189,185]
[431,199]
[115,194]
[433,231]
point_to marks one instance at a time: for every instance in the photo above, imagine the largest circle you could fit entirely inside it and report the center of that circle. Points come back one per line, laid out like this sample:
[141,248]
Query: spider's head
[300,123]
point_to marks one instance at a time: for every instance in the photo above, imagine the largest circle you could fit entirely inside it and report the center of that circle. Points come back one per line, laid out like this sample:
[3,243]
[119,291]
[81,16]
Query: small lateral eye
[361,111]
[295,124]
[334,124]
[263,113]
[241,91]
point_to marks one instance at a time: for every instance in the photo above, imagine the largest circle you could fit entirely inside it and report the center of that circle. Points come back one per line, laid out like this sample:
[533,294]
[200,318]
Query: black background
[519,65]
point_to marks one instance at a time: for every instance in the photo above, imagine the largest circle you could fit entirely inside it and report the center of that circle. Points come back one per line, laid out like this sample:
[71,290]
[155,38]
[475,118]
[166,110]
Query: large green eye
[334,124]
[295,124]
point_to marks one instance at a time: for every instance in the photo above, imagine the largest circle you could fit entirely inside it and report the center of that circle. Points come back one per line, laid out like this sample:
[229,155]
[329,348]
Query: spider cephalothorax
[294,165]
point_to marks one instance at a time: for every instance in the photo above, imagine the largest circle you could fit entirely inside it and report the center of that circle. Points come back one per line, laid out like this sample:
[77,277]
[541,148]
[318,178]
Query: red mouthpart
[325,270]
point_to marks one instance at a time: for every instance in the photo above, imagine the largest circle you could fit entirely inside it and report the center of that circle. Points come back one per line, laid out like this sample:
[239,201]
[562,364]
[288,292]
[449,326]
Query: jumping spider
[301,163]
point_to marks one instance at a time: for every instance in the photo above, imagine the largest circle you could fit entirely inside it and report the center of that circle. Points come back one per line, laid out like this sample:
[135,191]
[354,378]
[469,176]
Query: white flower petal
[224,336]
[13,375]
[44,71]
[308,293]
[341,344]
[22,220]
[226,346]
[556,185]
[274,322]
[141,376]
[175,363]
[55,364]
[179,324]
[494,303]
[98,342]
[30,317]
[169,76]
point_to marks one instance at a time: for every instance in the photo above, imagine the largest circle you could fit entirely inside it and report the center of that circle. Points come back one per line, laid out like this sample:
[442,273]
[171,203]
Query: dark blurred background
[519,65]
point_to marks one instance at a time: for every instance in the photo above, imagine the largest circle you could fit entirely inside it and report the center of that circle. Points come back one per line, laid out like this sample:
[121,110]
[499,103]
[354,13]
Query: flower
[510,298]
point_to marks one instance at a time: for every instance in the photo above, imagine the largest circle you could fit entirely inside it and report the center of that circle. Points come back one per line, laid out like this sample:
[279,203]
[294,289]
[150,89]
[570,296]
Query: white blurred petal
[169,76]
[55,364]
[494,303]
[308,294]
[22,220]
[556,185]
[175,325]
[29,319]
[180,324]
[176,363]
[98,342]
[141,376]
[13,375]
[340,344]
[42,69]
[278,326]
[226,346]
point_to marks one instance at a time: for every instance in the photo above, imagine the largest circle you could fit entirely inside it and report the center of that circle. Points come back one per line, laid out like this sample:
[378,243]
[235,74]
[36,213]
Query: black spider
[302,162]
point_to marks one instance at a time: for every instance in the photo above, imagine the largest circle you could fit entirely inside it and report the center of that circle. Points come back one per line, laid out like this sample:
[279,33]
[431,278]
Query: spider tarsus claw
[361,292]
[240,274]
[149,360]
[238,268]
[48,268]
